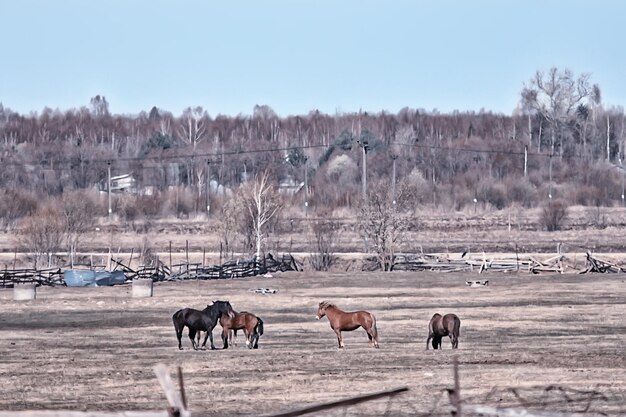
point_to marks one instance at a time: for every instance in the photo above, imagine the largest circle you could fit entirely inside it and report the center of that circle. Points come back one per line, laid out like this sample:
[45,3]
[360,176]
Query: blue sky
[300,55]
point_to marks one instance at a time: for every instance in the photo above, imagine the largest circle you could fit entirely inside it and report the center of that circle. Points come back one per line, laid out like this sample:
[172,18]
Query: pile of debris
[595,264]
[517,263]
[239,268]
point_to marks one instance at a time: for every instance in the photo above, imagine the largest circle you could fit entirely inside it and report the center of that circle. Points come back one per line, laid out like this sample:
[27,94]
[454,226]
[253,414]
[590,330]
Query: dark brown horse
[438,327]
[197,320]
[251,325]
[340,320]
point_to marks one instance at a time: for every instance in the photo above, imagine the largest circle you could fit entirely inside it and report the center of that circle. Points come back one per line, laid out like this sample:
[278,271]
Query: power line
[213,156]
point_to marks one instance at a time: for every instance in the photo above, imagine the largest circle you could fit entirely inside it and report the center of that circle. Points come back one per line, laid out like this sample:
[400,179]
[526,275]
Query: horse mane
[326,304]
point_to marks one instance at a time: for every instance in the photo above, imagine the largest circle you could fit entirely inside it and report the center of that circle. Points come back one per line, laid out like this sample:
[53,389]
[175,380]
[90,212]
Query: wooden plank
[342,403]
[173,397]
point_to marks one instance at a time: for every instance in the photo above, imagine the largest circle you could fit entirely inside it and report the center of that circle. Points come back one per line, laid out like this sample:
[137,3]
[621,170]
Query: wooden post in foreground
[455,394]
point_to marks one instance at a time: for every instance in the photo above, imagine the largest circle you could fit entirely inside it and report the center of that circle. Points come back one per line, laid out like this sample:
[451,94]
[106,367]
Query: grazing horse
[340,320]
[197,320]
[438,327]
[251,325]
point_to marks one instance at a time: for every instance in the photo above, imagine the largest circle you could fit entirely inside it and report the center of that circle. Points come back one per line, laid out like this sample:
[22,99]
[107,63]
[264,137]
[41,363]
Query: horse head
[321,309]
[224,307]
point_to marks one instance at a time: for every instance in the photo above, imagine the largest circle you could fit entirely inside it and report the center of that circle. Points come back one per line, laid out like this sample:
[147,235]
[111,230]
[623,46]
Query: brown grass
[94,348]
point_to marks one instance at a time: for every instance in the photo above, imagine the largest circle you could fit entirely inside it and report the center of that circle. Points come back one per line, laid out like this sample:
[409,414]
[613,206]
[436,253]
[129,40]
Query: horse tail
[179,325]
[457,326]
[259,326]
[374,329]
[177,319]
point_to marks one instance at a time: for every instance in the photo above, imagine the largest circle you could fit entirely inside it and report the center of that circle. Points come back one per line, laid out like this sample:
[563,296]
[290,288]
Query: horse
[438,327]
[251,325]
[197,320]
[341,321]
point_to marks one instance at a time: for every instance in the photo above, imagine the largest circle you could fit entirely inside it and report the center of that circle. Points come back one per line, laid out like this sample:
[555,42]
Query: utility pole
[109,187]
[622,169]
[393,180]
[608,138]
[208,186]
[525,160]
[306,186]
[364,181]
[550,182]
[363,142]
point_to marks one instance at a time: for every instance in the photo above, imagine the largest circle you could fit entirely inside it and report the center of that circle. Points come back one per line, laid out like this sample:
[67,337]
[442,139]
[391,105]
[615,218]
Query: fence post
[456,395]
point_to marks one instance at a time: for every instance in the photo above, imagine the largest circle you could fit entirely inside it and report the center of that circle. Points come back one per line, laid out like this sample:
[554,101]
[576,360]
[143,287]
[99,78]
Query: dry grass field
[94,348]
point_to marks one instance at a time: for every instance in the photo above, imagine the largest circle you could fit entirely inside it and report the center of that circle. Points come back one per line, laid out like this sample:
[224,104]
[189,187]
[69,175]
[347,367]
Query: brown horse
[251,325]
[438,327]
[340,320]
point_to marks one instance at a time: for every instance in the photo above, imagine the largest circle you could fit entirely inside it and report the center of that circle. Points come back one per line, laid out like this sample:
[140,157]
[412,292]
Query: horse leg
[436,342]
[455,340]
[248,336]
[179,335]
[430,336]
[232,335]
[206,336]
[254,338]
[210,334]
[192,337]
[225,333]
[339,339]
[373,339]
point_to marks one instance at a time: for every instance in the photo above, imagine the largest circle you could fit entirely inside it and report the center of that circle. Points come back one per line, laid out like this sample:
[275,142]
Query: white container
[22,292]
[142,288]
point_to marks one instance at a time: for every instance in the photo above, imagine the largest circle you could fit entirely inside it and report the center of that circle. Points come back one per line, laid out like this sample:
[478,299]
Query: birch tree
[556,96]
[193,130]
[261,204]
[193,126]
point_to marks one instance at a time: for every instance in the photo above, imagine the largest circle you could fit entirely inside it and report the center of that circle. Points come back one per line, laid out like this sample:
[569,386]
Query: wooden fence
[161,272]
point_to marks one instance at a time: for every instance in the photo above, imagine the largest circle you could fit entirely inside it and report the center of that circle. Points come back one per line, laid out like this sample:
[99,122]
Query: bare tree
[193,126]
[260,203]
[556,95]
[99,106]
[77,210]
[42,233]
[228,222]
[324,231]
[553,215]
[384,223]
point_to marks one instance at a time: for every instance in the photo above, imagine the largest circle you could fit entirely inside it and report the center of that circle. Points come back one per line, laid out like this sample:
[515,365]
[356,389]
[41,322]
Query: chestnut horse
[438,327]
[251,325]
[340,320]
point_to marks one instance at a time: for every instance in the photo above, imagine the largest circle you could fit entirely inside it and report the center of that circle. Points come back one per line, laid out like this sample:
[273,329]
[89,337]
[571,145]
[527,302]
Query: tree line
[561,142]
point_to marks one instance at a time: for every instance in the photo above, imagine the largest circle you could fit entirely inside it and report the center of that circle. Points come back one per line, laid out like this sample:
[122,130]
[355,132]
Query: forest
[561,142]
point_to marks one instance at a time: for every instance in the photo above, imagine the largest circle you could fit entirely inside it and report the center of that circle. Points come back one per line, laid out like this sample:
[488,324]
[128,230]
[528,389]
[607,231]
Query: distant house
[289,186]
[125,183]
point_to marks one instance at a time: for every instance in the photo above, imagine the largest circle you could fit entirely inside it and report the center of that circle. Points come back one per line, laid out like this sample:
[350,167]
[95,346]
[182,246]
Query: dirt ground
[94,348]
